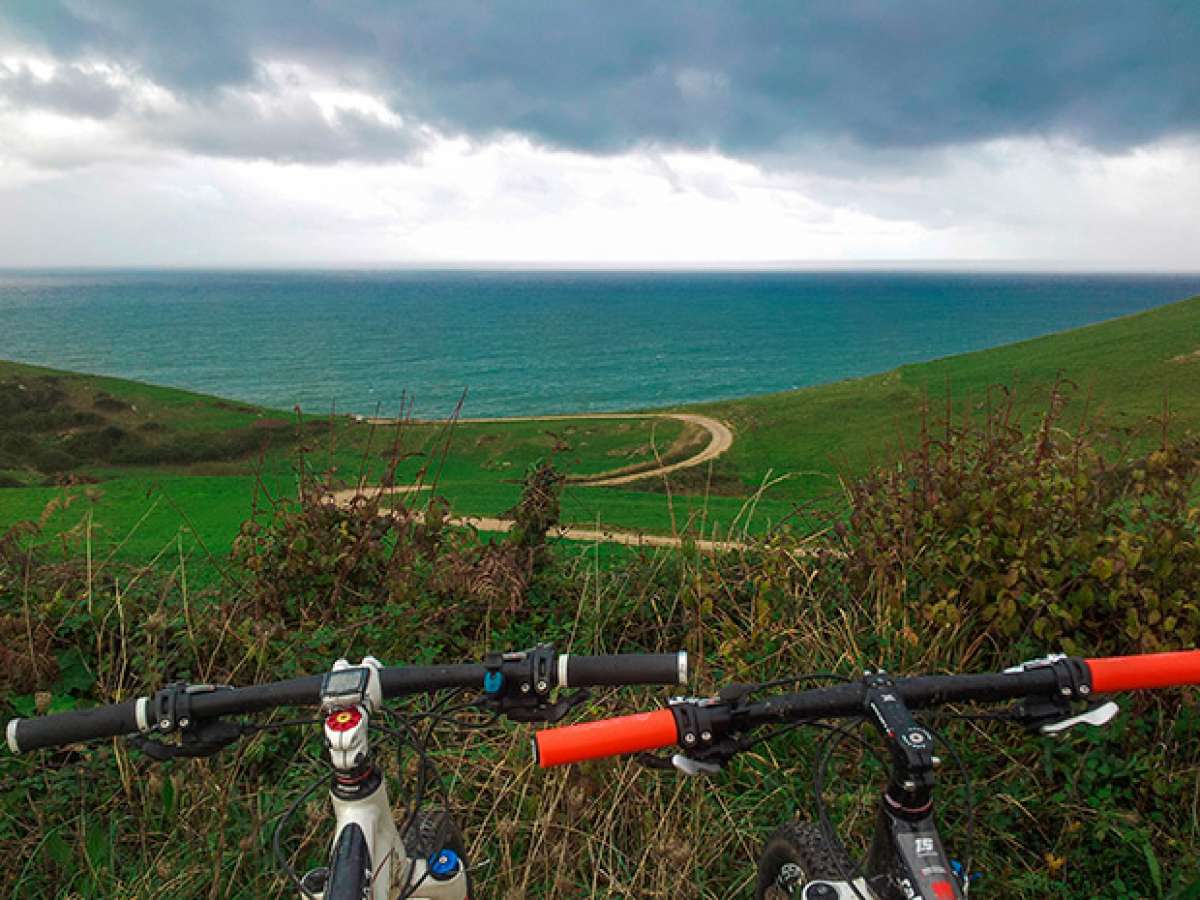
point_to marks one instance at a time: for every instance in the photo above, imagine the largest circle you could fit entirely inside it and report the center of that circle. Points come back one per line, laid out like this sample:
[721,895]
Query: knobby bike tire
[795,854]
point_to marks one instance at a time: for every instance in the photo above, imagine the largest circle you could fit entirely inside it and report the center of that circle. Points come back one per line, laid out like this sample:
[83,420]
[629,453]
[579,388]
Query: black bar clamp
[541,676]
[171,708]
[520,685]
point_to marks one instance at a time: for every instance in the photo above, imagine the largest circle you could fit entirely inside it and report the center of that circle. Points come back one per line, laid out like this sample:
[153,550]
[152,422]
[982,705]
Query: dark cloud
[751,79]
[71,90]
[287,131]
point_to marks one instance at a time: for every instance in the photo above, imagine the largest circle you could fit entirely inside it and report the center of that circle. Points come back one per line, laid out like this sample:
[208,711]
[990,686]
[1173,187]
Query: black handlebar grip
[622,669]
[70,727]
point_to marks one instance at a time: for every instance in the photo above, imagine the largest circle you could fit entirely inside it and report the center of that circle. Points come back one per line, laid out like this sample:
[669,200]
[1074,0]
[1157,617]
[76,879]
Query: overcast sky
[285,132]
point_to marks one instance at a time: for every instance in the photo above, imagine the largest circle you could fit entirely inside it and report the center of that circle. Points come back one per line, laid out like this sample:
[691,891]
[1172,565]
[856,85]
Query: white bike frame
[393,874]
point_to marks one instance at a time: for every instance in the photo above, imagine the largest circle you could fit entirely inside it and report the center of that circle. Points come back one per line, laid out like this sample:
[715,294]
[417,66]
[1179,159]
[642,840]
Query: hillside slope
[1128,365]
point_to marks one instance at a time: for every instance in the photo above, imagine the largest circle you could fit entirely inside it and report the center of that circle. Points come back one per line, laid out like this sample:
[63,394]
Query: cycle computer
[345,687]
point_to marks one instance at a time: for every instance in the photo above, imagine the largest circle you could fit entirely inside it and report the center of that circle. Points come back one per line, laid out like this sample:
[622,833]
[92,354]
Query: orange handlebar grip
[606,737]
[1151,670]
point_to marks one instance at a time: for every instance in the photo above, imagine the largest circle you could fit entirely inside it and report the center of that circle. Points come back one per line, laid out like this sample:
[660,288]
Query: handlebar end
[683,666]
[11,734]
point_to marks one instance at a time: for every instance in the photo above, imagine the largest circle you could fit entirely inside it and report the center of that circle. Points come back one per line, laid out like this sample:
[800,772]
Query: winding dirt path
[720,440]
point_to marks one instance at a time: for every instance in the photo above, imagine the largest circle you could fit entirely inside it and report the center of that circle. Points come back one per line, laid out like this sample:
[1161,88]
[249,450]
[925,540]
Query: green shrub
[98,444]
[109,403]
[184,449]
[1036,535]
[52,459]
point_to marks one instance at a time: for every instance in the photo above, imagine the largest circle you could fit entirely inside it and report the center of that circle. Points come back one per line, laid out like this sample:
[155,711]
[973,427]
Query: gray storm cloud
[750,80]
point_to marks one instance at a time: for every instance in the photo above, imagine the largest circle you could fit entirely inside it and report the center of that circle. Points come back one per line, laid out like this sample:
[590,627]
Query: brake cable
[277,838]
[969,787]
[837,734]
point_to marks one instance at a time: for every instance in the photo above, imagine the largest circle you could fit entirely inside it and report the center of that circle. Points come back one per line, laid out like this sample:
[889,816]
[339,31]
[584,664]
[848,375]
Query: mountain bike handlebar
[697,724]
[534,673]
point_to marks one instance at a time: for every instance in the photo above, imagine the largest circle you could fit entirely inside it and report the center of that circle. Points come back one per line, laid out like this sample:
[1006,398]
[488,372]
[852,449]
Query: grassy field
[156,463]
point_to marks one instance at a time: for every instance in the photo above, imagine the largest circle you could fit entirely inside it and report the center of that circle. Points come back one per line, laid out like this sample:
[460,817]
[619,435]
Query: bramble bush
[1034,535]
[310,559]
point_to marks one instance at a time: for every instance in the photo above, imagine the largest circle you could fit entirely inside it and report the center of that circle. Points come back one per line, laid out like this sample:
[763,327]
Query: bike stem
[906,859]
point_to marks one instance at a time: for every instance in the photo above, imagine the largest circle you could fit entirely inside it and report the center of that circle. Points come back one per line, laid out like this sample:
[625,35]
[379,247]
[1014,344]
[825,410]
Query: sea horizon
[955,266]
[532,341]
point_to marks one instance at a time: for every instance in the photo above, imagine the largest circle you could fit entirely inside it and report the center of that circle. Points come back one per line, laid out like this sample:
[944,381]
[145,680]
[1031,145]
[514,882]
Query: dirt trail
[346,495]
[605,536]
[720,440]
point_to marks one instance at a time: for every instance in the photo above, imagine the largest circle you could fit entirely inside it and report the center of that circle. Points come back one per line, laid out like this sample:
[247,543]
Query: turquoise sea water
[530,342]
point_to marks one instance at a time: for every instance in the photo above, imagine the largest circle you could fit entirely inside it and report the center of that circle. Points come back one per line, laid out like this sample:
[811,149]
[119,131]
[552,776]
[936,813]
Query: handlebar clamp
[1072,675]
[171,707]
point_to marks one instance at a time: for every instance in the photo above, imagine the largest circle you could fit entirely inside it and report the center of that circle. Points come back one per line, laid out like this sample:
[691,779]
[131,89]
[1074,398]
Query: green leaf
[1154,867]
[1102,568]
[97,845]
[74,676]
[168,799]
[57,849]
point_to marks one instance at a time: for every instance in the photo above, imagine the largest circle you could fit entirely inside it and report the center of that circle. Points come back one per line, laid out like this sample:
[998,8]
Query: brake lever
[693,767]
[703,762]
[654,761]
[1054,717]
[1096,716]
[686,764]
[200,739]
[522,711]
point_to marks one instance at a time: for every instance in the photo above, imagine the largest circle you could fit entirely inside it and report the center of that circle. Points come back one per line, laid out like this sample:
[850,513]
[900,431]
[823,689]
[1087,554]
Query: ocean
[533,342]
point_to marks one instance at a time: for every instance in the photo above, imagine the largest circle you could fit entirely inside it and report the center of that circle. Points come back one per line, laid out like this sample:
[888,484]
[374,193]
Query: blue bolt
[443,865]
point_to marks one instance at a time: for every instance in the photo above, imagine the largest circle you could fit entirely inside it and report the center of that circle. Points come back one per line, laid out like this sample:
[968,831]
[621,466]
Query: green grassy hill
[1129,366]
[132,464]
[135,463]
